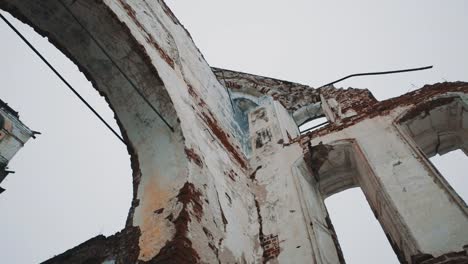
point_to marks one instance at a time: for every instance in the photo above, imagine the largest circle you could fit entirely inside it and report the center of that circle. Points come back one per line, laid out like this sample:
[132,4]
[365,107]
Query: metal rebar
[377,73]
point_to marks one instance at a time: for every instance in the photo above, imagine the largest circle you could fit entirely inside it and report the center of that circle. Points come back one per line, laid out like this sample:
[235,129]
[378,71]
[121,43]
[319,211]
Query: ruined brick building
[13,135]
[226,176]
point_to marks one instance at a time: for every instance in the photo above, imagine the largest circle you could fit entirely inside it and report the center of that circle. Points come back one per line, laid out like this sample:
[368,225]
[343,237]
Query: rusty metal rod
[61,77]
[115,64]
[376,73]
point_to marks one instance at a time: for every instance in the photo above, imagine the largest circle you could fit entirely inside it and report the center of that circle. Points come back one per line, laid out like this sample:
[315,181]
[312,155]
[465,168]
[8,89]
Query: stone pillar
[294,223]
[192,202]
[322,235]
[416,210]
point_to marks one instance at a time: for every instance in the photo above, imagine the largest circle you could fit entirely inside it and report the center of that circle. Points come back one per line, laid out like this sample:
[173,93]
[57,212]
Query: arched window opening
[336,170]
[74,181]
[439,127]
[360,235]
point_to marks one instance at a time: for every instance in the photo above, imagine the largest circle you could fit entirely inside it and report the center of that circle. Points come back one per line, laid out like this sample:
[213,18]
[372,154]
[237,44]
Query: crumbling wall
[200,196]
[401,185]
[191,199]
[371,110]
[293,96]
[13,135]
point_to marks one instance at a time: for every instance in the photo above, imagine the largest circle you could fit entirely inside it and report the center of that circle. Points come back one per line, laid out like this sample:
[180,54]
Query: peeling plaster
[230,187]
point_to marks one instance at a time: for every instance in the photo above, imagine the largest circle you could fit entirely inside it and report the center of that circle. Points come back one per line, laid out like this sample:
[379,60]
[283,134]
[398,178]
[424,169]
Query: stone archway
[340,165]
[174,160]
[145,133]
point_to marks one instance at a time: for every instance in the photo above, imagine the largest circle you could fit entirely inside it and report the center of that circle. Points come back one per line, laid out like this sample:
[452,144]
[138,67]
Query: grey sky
[74,181]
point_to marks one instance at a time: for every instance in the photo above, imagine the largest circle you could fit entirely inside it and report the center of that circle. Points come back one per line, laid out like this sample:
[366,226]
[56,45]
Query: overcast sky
[74,181]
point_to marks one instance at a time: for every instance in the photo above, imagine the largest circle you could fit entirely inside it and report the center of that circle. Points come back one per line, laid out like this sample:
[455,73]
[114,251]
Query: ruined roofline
[291,95]
[217,71]
[422,94]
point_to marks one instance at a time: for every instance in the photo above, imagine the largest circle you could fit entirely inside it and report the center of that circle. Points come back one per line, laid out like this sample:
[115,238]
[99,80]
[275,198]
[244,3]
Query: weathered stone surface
[121,248]
[233,180]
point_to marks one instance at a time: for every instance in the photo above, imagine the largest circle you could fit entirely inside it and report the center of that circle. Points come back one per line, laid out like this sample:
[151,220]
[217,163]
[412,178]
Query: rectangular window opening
[360,235]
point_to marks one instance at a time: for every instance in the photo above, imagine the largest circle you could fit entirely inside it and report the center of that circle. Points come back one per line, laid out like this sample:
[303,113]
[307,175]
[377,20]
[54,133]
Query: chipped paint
[236,182]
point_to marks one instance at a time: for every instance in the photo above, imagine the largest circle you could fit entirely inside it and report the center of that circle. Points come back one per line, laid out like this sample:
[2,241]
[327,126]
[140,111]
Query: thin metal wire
[115,64]
[377,73]
[61,77]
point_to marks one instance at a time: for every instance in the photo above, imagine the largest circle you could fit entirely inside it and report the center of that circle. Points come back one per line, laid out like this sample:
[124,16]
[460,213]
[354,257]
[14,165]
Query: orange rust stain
[155,230]
[179,249]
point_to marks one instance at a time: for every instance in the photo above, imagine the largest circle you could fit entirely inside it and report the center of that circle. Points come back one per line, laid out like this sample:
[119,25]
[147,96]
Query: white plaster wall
[437,224]
[238,240]
[160,162]
[314,211]
[290,206]
[286,122]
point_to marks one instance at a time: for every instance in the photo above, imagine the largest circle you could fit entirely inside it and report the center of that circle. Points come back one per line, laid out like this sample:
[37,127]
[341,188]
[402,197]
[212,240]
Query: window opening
[313,124]
[360,235]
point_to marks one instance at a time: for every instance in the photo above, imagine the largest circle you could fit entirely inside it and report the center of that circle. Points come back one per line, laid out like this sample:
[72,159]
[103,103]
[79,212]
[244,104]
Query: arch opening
[313,124]
[143,130]
[439,128]
[338,167]
[360,235]
[74,180]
